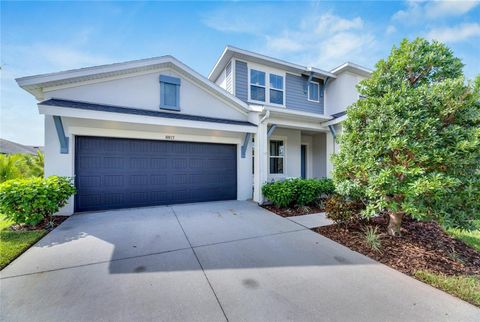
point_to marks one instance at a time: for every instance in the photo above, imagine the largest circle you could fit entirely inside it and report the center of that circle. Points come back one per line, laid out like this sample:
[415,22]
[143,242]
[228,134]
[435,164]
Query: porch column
[260,162]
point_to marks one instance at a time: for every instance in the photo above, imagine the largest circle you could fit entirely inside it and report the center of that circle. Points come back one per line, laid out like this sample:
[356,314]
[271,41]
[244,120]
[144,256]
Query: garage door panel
[121,173]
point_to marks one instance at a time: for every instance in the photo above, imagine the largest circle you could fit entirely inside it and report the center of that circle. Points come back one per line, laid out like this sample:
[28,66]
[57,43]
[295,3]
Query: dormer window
[261,91]
[169,93]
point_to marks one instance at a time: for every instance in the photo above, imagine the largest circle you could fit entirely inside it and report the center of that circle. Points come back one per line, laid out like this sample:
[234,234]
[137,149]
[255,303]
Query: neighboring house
[154,131]
[9,147]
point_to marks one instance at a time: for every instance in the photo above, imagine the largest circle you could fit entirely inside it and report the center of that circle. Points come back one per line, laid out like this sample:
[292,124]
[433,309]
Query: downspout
[332,130]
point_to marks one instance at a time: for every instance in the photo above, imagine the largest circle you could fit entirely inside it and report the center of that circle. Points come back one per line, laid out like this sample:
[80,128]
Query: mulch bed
[422,246]
[294,211]
[46,224]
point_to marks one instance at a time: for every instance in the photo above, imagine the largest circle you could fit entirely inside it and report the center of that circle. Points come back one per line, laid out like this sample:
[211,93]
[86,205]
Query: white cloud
[332,23]
[284,43]
[323,41]
[19,118]
[436,9]
[417,11]
[390,30]
[240,19]
[64,57]
[456,33]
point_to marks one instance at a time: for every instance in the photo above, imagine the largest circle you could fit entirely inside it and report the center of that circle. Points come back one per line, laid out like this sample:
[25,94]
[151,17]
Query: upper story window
[257,85]
[272,92]
[169,93]
[314,92]
[276,89]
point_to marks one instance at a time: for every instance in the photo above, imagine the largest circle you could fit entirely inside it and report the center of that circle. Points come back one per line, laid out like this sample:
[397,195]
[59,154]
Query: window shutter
[169,93]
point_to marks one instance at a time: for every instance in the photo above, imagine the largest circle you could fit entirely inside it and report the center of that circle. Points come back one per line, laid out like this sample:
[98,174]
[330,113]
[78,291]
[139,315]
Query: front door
[303,161]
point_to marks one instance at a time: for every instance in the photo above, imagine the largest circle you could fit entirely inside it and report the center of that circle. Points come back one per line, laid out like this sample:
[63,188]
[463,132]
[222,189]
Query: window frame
[257,85]
[308,91]
[267,87]
[284,157]
[170,80]
[271,88]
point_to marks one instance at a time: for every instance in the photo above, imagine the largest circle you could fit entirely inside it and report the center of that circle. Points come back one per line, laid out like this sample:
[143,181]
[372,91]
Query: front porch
[291,147]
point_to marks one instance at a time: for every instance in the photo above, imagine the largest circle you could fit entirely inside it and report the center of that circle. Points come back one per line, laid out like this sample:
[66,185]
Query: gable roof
[136,111]
[35,84]
[230,51]
[9,147]
[352,67]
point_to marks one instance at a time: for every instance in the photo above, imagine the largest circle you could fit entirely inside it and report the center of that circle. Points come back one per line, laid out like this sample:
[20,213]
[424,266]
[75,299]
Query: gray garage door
[123,173]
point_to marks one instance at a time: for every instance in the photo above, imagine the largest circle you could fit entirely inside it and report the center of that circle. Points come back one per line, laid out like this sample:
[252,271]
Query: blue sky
[41,37]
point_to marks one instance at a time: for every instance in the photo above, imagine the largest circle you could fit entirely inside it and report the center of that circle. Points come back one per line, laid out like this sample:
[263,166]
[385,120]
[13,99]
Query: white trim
[234,76]
[309,159]
[335,121]
[299,125]
[36,84]
[142,119]
[267,72]
[231,51]
[284,157]
[298,114]
[352,67]
[308,92]
[160,135]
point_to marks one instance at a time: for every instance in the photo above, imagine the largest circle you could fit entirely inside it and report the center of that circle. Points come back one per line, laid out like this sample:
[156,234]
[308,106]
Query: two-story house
[154,131]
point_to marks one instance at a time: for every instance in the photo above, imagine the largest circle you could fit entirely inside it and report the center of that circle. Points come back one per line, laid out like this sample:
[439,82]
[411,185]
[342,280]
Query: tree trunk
[394,223]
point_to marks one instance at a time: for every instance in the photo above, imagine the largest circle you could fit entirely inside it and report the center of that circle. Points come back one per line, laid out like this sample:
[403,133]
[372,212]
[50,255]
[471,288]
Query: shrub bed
[299,192]
[29,201]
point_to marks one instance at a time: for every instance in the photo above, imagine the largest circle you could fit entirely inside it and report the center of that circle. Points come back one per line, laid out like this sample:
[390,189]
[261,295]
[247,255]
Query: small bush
[280,193]
[343,210]
[372,238]
[309,190]
[29,201]
[301,192]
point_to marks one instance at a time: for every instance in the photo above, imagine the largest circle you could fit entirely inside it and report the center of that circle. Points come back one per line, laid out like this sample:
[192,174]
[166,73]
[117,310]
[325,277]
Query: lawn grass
[14,243]
[471,237]
[464,287]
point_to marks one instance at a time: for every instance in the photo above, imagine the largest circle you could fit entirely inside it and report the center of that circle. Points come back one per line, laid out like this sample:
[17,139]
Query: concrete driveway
[208,262]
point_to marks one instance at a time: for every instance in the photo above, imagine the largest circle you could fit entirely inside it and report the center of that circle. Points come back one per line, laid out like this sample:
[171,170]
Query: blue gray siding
[296,95]
[241,80]
[228,78]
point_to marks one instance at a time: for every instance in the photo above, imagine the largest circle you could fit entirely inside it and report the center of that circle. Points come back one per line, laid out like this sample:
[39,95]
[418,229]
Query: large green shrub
[412,145]
[309,190]
[300,192]
[280,193]
[31,200]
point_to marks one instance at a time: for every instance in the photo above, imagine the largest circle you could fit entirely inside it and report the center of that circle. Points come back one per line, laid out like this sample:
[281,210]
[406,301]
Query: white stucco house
[154,131]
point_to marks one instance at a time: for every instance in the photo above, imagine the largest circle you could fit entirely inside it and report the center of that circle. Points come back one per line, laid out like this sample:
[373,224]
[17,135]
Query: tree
[412,145]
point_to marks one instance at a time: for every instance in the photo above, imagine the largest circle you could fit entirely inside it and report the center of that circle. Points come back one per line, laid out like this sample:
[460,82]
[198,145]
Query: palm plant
[11,167]
[15,166]
[34,164]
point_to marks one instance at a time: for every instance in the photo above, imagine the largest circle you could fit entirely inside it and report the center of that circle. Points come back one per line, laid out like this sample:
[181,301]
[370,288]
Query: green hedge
[299,192]
[29,201]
